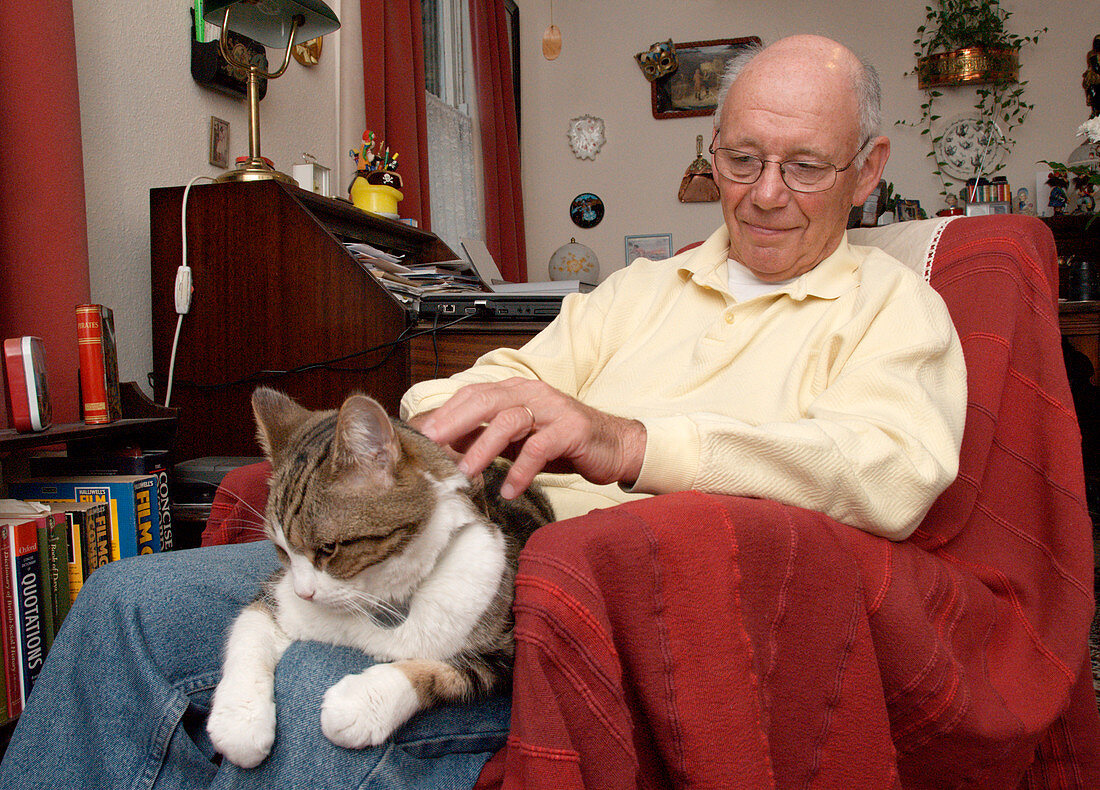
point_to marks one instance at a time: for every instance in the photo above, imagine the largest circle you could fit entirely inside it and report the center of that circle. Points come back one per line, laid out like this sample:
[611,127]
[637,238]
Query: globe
[574,261]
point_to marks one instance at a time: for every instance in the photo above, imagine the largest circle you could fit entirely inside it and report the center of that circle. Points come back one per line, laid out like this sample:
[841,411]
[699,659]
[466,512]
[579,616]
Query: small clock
[586,136]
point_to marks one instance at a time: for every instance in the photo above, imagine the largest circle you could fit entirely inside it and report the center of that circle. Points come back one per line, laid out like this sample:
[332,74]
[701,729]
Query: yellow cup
[370,197]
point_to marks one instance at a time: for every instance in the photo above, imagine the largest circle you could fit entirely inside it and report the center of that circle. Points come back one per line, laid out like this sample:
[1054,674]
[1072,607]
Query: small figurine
[1058,183]
[952,208]
[1023,202]
[1086,204]
[1090,80]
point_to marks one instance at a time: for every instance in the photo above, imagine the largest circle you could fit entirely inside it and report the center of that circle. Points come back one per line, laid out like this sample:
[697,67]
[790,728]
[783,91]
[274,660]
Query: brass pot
[969,65]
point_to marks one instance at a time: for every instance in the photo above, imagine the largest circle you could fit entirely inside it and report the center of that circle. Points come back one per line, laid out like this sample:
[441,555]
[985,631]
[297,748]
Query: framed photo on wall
[655,247]
[692,90]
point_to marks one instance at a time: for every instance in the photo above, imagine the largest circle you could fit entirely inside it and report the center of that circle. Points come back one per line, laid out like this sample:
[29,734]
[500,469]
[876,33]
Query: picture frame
[907,210]
[654,246]
[692,89]
[219,142]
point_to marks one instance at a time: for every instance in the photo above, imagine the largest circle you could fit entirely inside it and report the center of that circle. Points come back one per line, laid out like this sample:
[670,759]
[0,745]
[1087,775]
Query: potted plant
[966,43]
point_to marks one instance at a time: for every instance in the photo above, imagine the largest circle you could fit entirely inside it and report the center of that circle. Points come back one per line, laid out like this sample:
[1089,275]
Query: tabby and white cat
[387,547]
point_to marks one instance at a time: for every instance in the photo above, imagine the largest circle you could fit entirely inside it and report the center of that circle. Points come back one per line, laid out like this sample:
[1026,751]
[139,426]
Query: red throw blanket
[718,642]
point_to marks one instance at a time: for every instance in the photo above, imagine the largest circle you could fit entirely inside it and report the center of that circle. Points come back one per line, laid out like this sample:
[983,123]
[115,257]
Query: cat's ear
[277,417]
[365,449]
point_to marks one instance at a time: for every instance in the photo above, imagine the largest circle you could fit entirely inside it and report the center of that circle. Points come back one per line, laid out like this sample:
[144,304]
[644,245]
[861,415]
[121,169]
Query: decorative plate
[586,210]
[968,147]
[586,136]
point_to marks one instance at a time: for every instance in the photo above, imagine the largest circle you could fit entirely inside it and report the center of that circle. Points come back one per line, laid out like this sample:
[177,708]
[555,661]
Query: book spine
[110,364]
[164,507]
[93,372]
[43,526]
[146,516]
[26,587]
[99,537]
[59,568]
[8,614]
[77,551]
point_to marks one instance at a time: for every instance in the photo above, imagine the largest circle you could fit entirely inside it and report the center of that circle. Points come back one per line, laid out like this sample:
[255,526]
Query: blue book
[134,514]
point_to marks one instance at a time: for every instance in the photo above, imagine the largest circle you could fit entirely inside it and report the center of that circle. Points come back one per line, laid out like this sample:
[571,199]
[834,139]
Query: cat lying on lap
[386,547]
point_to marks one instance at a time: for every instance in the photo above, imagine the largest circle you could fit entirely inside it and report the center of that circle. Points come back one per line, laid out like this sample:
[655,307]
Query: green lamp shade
[269,21]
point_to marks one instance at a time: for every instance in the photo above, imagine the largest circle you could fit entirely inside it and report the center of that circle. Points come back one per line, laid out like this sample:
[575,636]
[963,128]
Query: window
[453,171]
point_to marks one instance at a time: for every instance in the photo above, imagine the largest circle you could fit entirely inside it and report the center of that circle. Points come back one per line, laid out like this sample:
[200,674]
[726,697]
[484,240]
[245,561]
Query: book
[98,355]
[71,516]
[13,702]
[134,461]
[21,568]
[50,531]
[133,518]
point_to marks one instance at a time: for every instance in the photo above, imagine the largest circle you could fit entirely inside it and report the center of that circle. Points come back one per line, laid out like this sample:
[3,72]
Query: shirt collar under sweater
[836,275]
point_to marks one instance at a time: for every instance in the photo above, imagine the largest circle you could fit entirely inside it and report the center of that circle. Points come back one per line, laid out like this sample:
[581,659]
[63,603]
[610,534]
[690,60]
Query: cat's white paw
[364,710]
[242,722]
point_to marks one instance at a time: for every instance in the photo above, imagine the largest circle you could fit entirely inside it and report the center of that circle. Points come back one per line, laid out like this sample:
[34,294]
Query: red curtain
[504,234]
[43,225]
[393,77]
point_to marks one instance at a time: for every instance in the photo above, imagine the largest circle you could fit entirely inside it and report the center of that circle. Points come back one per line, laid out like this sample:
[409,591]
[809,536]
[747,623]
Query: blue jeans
[123,696]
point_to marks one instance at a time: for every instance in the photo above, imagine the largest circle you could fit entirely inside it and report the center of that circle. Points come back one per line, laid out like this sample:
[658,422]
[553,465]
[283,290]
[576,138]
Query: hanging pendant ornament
[551,38]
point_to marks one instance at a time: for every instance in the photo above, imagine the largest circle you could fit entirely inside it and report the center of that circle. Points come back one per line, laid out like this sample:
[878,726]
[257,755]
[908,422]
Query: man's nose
[770,191]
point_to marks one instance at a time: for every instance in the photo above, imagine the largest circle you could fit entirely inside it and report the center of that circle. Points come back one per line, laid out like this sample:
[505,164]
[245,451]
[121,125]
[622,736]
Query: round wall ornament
[586,210]
[586,136]
[970,146]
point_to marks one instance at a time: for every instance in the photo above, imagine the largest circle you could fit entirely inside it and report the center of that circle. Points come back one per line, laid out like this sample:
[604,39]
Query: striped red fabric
[702,641]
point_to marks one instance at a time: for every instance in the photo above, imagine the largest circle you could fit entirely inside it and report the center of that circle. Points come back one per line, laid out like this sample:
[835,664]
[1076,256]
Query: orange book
[95,337]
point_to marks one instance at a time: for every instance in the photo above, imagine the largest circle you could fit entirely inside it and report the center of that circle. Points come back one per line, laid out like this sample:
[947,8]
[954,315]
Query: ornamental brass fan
[697,185]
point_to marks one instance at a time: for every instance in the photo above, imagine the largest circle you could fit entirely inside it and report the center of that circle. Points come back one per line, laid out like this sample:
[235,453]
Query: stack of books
[69,516]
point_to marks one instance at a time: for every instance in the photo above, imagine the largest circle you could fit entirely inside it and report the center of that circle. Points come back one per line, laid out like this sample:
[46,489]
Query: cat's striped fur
[386,547]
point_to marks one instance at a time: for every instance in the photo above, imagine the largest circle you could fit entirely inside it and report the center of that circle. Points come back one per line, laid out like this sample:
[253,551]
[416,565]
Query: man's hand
[548,426]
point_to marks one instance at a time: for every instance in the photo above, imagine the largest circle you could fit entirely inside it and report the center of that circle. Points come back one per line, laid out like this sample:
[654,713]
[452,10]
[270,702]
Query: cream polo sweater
[843,392]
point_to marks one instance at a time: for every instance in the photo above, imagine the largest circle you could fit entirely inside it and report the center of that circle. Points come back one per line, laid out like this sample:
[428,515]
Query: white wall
[145,120]
[638,172]
[145,123]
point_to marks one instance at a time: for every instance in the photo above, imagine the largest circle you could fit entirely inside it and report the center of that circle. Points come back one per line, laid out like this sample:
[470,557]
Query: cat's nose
[304,590]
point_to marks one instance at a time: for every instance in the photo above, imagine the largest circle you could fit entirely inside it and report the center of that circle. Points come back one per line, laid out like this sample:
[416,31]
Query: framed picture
[219,142]
[656,247]
[692,89]
[907,210]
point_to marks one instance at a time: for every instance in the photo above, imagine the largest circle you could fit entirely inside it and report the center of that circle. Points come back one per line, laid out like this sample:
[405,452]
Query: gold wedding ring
[531,414]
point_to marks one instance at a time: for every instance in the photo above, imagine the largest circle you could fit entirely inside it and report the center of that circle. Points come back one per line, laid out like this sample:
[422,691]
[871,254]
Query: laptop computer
[498,299]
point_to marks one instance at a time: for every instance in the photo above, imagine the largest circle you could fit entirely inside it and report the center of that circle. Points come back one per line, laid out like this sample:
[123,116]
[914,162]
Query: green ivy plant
[954,24]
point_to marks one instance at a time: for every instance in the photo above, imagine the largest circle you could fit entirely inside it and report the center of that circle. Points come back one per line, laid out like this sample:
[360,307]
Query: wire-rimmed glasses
[800,175]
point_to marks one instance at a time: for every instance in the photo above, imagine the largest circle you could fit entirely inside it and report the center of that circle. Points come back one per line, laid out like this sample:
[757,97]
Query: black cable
[390,346]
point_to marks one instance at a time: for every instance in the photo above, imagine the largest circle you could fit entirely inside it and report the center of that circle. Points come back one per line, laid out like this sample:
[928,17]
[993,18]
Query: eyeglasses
[800,175]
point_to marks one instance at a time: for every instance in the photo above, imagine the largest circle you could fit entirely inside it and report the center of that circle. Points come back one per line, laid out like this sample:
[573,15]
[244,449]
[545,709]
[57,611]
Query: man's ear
[871,172]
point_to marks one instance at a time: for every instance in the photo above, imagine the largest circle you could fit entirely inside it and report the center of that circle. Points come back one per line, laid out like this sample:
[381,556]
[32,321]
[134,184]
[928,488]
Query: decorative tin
[969,65]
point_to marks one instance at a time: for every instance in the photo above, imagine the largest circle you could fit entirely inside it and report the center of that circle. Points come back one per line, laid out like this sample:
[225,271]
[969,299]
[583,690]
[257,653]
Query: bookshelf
[143,422]
[275,290]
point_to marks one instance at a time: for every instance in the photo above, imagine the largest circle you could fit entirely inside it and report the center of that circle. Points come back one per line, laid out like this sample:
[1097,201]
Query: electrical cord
[184,288]
[330,364]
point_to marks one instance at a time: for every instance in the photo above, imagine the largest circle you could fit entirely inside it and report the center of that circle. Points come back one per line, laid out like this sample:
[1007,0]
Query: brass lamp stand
[255,168]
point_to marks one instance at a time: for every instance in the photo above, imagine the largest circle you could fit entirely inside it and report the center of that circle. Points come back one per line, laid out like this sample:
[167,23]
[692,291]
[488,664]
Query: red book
[8,633]
[95,337]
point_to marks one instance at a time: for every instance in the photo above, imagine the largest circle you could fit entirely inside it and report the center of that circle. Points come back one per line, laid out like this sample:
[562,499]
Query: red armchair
[693,640]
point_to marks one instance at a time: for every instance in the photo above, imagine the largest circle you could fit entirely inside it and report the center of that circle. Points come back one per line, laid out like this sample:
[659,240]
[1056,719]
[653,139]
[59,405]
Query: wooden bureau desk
[449,350]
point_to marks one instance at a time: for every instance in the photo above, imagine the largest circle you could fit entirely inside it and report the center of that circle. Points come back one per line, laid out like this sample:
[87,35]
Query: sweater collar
[834,276]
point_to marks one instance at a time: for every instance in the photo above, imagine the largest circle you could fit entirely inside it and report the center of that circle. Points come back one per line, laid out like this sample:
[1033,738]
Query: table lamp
[273,23]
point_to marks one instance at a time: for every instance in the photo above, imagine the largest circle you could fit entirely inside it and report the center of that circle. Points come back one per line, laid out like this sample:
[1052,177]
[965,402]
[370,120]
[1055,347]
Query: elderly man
[775,360]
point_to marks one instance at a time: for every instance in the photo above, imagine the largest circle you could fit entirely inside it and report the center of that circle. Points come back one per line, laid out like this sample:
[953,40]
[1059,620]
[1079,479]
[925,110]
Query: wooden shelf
[145,421]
